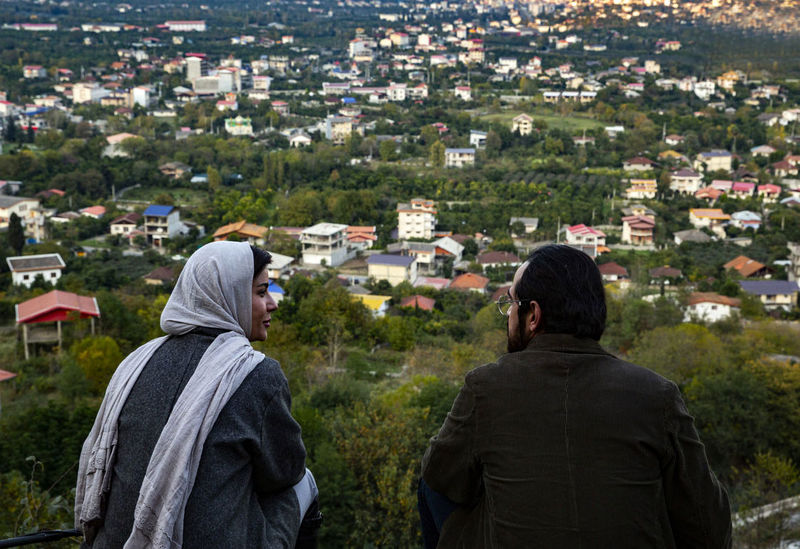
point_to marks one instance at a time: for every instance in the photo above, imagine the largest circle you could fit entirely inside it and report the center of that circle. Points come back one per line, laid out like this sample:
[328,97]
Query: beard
[516,340]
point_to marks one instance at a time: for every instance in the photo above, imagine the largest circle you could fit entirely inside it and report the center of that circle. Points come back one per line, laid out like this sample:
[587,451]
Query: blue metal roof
[159,211]
[768,287]
[386,259]
[273,288]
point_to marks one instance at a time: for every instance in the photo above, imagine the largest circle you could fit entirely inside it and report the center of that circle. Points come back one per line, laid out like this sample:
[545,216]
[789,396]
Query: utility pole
[558,230]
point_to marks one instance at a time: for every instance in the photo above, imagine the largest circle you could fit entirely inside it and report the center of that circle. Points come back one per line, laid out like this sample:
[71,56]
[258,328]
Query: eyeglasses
[504,304]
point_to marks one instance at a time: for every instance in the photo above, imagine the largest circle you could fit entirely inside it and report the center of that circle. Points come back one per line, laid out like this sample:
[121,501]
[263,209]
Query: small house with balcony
[638,230]
[458,158]
[325,244]
[161,223]
[125,224]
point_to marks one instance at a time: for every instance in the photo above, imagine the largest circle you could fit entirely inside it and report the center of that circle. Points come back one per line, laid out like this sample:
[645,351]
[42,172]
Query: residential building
[638,164]
[418,302]
[175,170]
[746,219]
[523,124]
[239,126]
[690,235]
[774,294]
[325,244]
[362,237]
[685,181]
[446,247]
[742,189]
[584,235]
[417,219]
[377,304]
[496,259]
[769,192]
[160,223]
[24,269]
[710,307]
[748,268]
[392,268]
[793,270]
[712,161]
[463,92]
[477,138]
[25,208]
[125,224]
[530,224]
[250,232]
[458,158]
[612,272]
[470,282]
[279,266]
[640,189]
[638,230]
[712,218]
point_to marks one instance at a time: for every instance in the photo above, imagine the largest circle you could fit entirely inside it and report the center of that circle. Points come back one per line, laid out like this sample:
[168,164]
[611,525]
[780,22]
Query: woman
[194,444]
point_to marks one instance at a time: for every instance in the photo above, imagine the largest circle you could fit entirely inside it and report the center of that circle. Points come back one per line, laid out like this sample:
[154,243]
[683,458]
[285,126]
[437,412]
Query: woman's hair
[261,258]
[569,289]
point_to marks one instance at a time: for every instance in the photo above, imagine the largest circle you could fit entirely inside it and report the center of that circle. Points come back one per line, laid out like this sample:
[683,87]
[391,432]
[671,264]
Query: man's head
[560,291]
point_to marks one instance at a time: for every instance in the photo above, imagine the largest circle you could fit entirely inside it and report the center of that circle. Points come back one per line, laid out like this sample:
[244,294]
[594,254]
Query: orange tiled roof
[469,281]
[744,265]
[242,227]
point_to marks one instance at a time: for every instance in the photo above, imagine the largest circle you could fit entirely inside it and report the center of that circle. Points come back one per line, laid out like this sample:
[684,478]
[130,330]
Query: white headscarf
[215,291]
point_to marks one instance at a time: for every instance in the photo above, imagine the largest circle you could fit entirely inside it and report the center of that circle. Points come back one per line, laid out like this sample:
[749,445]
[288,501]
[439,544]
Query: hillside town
[400,161]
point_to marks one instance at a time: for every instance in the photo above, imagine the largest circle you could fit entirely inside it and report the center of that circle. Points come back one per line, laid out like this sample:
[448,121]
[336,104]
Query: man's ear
[535,321]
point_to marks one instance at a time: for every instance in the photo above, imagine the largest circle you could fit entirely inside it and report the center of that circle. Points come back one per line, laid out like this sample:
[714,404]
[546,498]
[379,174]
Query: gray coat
[242,495]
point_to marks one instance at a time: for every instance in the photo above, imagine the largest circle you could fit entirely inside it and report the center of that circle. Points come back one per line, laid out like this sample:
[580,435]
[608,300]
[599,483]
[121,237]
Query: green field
[180,196]
[567,123]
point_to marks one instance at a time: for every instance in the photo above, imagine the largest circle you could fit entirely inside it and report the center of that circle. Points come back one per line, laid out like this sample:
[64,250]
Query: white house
[477,138]
[25,208]
[685,181]
[25,269]
[417,219]
[239,126]
[522,123]
[458,158]
[325,242]
[710,307]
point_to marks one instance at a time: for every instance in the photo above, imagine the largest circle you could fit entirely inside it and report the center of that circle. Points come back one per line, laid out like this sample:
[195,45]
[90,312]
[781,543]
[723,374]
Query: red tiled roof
[419,301]
[497,257]
[469,281]
[711,297]
[4,375]
[612,268]
[56,305]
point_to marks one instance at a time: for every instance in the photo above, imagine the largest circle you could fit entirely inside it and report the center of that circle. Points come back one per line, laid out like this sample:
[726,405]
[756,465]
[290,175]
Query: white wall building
[325,242]
[417,219]
[24,269]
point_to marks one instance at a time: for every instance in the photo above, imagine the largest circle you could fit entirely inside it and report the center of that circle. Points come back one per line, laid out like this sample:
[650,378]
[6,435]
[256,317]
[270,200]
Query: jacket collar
[565,343]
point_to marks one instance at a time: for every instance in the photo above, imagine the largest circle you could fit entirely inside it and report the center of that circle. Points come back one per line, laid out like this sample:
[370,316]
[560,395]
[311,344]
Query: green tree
[16,234]
[387,150]
[436,154]
[98,357]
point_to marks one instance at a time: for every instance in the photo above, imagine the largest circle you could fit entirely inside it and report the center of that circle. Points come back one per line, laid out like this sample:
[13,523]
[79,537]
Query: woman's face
[263,305]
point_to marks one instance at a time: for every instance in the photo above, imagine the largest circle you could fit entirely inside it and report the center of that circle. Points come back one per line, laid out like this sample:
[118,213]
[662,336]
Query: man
[560,444]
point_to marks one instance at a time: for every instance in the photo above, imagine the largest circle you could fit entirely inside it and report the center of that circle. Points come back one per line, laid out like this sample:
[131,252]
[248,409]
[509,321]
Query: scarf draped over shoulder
[214,290]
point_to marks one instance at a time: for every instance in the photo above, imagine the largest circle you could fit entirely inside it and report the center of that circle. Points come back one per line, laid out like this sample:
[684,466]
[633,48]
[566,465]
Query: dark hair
[261,258]
[569,289]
